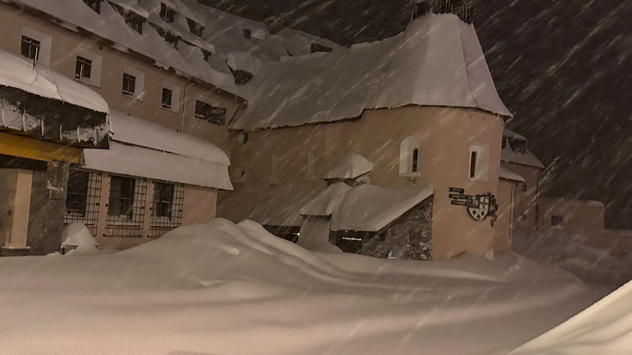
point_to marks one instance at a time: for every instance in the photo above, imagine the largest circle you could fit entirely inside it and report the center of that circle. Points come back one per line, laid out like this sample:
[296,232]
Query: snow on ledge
[510,175]
[437,61]
[18,72]
[350,166]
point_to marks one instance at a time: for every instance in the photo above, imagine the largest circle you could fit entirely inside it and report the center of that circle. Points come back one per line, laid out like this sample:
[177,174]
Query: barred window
[76,198]
[121,196]
[163,199]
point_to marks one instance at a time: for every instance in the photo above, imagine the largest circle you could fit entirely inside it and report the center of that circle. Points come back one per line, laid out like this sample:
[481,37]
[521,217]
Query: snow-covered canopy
[17,72]
[510,175]
[513,135]
[350,166]
[146,149]
[437,61]
[603,328]
[366,207]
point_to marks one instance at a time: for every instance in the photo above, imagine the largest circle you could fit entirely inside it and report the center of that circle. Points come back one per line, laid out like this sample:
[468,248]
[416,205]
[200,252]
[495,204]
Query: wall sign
[479,206]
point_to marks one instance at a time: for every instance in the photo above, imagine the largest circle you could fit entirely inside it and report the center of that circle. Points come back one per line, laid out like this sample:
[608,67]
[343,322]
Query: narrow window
[316,47]
[195,28]
[473,157]
[129,84]
[166,98]
[163,199]
[121,196]
[504,144]
[30,48]
[524,187]
[209,113]
[83,68]
[94,5]
[77,196]
[415,167]
[557,220]
[167,13]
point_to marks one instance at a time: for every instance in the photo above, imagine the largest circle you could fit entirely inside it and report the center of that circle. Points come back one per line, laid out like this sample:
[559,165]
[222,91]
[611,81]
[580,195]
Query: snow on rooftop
[18,72]
[142,148]
[511,134]
[510,175]
[350,166]
[137,131]
[221,288]
[437,61]
[508,155]
[365,207]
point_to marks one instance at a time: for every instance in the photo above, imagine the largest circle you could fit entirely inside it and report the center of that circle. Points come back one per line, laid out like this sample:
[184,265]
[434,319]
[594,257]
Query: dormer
[195,27]
[167,13]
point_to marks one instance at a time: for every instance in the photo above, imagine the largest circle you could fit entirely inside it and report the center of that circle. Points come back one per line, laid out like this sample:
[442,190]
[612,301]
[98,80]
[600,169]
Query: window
[557,220]
[195,28]
[132,19]
[121,196]
[77,196]
[209,113]
[83,68]
[409,157]
[317,47]
[473,161]
[167,13]
[30,48]
[167,96]
[129,84]
[415,161]
[478,161]
[247,33]
[163,199]
[94,5]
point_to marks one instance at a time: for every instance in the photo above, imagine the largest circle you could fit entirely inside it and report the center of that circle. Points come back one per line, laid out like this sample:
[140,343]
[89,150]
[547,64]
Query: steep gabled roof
[437,61]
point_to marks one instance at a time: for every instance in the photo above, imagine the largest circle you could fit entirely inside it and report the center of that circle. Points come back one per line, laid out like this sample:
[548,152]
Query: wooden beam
[38,150]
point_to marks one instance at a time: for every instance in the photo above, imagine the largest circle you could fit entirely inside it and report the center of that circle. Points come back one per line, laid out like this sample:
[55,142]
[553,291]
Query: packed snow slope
[221,288]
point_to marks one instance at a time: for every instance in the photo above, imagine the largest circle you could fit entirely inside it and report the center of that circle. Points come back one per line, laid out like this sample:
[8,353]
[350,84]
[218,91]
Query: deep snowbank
[221,288]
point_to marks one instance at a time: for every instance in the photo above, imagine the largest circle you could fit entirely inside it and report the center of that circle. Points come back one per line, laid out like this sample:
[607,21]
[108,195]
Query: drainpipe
[184,106]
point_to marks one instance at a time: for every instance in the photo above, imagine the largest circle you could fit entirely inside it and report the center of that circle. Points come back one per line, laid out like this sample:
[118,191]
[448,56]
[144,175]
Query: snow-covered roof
[527,158]
[365,207]
[572,202]
[142,148]
[136,131]
[437,61]
[350,166]
[507,174]
[513,135]
[17,72]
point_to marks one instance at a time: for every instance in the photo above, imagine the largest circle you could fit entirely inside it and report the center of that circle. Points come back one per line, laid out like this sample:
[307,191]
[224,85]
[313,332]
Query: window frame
[127,79]
[139,83]
[478,162]
[407,149]
[45,44]
[163,199]
[77,194]
[167,13]
[166,98]
[81,64]
[124,204]
[29,43]
[212,114]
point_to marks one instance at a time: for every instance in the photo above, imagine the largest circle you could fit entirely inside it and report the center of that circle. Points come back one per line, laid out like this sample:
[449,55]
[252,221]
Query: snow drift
[221,288]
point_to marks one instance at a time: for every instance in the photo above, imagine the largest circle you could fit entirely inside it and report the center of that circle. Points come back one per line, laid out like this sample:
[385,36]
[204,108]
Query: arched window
[479,161]
[409,156]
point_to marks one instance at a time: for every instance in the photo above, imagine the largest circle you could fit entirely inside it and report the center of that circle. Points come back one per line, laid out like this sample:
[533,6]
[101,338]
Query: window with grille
[167,13]
[83,68]
[30,48]
[163,199]
[82,199]
[209,113]
[121,196]
[77,196]
[167,95]
[129,84]
[94,5]
[195,27]
[166,211]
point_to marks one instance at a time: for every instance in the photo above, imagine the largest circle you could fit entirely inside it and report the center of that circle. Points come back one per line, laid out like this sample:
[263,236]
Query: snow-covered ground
[221,288]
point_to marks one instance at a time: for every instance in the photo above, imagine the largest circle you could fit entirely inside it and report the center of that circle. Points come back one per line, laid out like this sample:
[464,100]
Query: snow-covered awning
[145,149]
[367,208]
[437,61]
[507,174]
[350,166]
[18,72]
[508,155]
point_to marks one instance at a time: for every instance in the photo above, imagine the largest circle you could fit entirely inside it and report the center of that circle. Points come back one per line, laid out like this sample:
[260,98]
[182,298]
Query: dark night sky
[562,67]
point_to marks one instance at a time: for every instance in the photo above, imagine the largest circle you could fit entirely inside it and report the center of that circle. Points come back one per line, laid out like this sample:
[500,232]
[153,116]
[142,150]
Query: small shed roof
[510,175]
[350,166]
